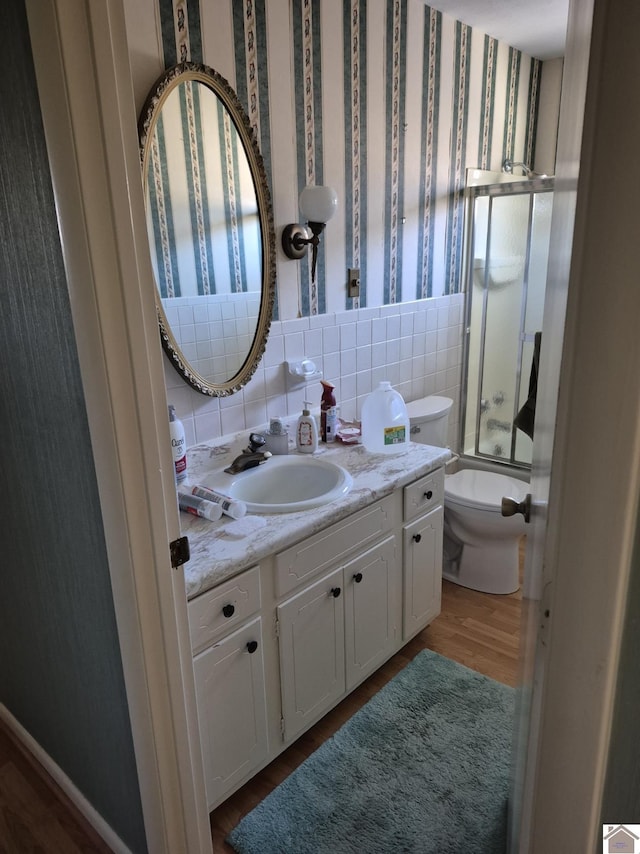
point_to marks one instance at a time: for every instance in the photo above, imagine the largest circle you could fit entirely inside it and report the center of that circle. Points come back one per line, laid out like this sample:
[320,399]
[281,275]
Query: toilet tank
[429,420]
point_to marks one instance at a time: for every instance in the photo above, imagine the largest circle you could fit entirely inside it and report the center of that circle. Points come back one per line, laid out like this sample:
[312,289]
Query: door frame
[584,534]
[84,82]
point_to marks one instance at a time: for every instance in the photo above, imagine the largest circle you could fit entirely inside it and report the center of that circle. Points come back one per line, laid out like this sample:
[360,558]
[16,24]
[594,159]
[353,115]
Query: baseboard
[68,787]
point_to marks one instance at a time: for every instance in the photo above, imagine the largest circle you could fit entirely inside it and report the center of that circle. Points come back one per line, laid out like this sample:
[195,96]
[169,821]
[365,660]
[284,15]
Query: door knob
[510,507]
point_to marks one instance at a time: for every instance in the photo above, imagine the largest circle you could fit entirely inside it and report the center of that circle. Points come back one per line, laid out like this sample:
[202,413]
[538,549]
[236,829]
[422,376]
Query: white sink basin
[285,484]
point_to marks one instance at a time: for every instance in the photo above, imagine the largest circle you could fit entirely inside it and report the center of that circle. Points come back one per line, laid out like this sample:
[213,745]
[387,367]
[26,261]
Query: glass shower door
[507,266]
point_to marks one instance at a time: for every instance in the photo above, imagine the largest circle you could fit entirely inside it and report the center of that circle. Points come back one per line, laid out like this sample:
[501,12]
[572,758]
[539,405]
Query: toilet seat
[482,490]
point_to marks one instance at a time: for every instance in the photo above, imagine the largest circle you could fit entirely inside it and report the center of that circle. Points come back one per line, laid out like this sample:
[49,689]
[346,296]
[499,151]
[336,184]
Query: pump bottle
[306,431]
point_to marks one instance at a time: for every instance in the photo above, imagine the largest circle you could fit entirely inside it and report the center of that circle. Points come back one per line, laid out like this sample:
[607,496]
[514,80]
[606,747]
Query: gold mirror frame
[164,86]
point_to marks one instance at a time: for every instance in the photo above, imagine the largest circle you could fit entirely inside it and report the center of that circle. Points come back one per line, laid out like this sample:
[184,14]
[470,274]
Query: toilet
[480,544]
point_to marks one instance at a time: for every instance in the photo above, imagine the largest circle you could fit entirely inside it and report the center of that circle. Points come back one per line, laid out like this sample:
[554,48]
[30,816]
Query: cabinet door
[311,634]
[422,571]
[373,609]
[232,712]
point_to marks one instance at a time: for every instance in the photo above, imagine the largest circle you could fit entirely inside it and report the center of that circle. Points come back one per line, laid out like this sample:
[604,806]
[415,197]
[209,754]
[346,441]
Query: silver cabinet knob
[510,507]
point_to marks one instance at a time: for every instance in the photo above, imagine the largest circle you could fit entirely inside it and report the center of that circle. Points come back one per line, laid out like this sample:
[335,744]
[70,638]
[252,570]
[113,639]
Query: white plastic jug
[385,421]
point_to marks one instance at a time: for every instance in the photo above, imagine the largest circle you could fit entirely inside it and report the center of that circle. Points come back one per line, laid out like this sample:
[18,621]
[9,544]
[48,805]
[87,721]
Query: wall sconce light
[317,206]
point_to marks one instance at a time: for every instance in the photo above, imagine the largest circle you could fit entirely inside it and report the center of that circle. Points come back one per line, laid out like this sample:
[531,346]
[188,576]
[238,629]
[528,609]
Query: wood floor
[478,630]
[35,815]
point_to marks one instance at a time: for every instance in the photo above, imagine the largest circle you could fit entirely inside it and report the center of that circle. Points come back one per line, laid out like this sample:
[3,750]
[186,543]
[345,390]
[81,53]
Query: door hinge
[282,728]
[180,552]
[277,627]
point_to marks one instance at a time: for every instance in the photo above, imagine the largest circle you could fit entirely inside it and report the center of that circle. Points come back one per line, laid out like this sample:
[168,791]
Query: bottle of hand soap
[306,431]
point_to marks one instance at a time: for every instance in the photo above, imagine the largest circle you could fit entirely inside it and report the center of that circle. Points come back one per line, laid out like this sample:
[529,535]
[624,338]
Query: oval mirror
[210,228]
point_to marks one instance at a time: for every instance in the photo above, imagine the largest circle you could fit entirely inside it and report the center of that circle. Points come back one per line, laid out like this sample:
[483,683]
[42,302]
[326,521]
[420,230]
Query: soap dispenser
[306,431]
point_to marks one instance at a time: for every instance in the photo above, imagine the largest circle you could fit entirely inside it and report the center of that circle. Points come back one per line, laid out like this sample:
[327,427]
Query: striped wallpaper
[417,97]
[203,211]
[354,30]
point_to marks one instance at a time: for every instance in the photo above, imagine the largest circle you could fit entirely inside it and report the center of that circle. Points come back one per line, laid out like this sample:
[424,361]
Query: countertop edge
[216,557]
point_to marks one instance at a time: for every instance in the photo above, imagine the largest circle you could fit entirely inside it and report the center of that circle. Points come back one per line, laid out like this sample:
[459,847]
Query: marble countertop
[217,554]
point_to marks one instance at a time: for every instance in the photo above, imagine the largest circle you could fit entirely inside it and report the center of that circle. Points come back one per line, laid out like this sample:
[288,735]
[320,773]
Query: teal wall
[60,667]
[621,795]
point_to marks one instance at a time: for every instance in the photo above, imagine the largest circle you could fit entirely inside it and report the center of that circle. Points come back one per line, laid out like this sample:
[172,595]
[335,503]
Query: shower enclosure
[507,246]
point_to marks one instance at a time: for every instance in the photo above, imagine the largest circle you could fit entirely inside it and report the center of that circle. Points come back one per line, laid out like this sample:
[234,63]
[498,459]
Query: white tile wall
[417,346]
[215,331]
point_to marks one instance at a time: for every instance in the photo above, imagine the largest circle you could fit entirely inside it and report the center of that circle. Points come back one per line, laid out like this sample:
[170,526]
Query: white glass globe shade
[318,204]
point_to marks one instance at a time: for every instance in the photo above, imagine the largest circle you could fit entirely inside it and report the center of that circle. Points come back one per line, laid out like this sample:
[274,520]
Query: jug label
[395,435]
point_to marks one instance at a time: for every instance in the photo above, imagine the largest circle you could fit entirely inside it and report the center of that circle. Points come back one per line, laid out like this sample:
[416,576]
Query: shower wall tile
[294,346]
[416,346]
[379,329]
[330,364]
[331,339]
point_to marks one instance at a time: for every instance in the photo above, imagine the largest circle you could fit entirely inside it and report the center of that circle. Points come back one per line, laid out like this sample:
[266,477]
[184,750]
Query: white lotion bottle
[178,444]
[306,431]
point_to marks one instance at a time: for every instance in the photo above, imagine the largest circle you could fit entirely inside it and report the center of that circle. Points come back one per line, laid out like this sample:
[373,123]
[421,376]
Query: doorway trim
[84,82]
[593,490]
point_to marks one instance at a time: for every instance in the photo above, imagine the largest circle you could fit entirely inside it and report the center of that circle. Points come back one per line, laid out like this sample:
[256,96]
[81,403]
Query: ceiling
[536,27]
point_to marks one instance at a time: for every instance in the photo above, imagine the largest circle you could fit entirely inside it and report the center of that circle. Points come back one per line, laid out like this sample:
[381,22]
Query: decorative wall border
[429,149]
[181,31]
[252,78]
[233,203]
[396,60]
[355,123]
[511,106]
[162,218]
[197,184]
[532,112]
[488,103]
[455,231]
[308,108]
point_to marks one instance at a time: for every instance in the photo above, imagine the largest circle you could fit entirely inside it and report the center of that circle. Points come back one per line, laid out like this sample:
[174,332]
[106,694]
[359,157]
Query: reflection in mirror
[210,228]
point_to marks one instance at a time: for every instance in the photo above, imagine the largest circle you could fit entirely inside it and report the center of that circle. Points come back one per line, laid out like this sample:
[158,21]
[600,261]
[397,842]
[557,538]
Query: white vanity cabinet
[227,637]
[336,631]
[279,645]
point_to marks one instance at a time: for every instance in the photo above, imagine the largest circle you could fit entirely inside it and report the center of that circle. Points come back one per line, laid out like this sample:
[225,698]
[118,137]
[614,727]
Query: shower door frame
[530,187]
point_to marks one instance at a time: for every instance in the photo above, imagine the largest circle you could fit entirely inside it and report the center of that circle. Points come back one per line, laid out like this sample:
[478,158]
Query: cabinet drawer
[311,556]
[223,607]
[423,495]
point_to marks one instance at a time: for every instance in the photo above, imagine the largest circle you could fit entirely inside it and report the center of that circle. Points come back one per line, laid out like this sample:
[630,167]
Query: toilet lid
[428,408]
[483,490]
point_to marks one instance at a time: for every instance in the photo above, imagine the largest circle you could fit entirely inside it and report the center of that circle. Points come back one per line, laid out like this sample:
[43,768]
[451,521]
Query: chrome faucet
[251,456]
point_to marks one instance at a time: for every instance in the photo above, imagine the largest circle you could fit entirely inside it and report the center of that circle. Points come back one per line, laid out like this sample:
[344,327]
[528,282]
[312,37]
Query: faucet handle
[256,442]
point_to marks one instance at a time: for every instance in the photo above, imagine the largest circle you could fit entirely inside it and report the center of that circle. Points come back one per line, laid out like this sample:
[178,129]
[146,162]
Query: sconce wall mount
[296,240]
[317,205]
